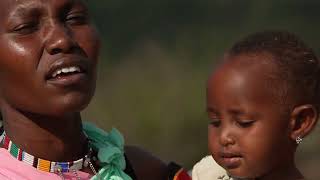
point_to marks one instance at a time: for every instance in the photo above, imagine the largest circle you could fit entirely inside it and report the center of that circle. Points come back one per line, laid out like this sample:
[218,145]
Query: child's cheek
[212,139]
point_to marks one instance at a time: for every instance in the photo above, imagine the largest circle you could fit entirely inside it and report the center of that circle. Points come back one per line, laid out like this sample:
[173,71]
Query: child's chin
[242,177]
[240,174]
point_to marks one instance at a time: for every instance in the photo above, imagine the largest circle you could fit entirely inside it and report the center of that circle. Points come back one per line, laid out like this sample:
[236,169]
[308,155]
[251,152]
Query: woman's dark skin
[41,113]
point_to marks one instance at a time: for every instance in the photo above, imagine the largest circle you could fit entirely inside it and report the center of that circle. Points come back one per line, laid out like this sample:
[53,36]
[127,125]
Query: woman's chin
[67,107]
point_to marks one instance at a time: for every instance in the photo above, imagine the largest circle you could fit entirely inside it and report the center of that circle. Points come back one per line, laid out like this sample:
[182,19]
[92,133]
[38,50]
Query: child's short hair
[298,67]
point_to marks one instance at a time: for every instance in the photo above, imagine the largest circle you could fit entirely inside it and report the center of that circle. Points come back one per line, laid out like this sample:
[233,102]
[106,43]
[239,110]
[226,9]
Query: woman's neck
[50,138]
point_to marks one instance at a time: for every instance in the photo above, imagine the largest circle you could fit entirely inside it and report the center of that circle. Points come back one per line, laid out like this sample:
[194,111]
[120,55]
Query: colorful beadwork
[40,164]
[176,172]
[181,175]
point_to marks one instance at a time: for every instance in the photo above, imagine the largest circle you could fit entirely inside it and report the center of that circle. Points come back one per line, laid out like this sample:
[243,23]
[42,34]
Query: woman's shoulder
[147,166]
[208,169]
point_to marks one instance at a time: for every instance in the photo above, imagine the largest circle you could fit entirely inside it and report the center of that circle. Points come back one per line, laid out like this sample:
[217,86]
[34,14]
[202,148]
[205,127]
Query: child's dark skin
[41,111]
[251,134]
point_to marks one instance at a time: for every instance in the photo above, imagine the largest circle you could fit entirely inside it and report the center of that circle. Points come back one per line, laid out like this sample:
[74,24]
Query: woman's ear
[303,119]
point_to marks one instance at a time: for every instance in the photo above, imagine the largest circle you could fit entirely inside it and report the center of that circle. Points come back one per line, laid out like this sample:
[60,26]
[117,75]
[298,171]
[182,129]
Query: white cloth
[1,130]
[208,169]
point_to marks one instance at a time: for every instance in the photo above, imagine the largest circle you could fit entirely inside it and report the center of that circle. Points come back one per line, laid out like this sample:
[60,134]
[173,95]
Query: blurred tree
[157,55]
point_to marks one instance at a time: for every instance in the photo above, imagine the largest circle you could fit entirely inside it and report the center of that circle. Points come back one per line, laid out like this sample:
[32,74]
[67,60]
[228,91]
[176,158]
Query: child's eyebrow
[236,112]
[211,110]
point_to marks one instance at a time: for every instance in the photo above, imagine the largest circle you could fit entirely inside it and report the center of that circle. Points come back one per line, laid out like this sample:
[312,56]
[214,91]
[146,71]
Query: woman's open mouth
[68,71]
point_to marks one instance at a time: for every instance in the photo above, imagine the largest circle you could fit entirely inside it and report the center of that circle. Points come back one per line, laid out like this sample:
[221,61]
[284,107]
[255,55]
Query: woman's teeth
[66,70]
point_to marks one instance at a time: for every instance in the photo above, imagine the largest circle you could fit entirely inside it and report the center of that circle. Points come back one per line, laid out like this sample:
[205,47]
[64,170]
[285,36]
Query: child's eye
[26,28]
[78,18]
[245,123]
[215,122]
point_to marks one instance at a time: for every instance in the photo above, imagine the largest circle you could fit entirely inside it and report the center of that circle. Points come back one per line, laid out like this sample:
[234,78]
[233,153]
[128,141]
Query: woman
[48,58]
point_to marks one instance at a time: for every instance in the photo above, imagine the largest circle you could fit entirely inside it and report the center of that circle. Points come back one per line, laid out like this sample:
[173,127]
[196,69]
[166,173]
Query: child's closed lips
[230,159]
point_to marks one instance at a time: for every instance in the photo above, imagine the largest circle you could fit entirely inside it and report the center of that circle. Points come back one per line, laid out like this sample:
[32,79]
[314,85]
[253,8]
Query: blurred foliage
[157,55]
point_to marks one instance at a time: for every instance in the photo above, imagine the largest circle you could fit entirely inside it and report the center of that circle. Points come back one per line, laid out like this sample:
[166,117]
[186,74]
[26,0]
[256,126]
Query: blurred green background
[157,55]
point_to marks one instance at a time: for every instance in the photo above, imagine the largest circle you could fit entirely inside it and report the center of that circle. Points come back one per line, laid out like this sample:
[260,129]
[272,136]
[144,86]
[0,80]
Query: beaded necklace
[45,165]
[110,154]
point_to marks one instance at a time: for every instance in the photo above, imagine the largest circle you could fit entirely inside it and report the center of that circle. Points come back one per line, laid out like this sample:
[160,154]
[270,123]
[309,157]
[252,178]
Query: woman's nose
[59,39]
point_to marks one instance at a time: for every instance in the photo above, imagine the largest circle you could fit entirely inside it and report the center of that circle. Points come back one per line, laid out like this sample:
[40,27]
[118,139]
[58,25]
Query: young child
[262,101]
[48,59]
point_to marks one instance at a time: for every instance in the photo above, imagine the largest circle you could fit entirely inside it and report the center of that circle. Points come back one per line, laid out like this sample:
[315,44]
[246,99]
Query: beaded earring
[298,140]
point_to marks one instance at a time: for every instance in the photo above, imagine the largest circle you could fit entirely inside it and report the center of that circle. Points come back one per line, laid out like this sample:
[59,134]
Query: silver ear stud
[298,140]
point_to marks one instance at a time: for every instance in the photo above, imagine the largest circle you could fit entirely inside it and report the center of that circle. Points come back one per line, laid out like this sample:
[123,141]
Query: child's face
[48,55]
[248,133]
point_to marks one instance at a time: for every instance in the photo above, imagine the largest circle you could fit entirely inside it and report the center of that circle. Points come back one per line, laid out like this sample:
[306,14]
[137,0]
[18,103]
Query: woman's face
[48,56]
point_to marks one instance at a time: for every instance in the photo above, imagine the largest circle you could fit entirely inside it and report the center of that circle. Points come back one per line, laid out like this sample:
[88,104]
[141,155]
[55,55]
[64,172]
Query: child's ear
[303,119]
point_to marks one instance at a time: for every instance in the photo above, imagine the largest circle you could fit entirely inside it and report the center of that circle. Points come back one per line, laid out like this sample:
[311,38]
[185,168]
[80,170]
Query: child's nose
[226,137]
[59,39]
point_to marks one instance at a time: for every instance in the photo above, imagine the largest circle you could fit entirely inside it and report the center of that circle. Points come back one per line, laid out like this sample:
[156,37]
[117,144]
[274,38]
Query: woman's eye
[26,28]
[77,18]
[246,123]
